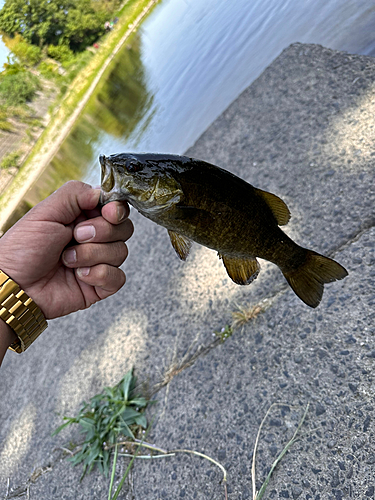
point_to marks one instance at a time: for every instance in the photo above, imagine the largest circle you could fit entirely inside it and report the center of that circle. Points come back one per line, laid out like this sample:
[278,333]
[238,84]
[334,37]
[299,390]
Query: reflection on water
[115,109]
[123,99]
[190,60]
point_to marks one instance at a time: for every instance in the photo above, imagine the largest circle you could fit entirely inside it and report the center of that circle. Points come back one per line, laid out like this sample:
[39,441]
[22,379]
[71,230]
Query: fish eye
[132,166]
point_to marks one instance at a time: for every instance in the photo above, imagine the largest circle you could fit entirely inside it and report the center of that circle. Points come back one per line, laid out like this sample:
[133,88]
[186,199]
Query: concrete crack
[355,236]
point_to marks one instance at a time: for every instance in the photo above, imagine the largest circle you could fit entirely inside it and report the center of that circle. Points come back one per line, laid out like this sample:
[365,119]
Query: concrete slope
[303,130]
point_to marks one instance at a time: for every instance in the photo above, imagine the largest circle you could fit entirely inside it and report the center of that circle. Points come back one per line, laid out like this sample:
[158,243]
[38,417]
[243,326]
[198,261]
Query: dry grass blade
[244,314]
[169,453]
[198,454]
[259,495]
[117,492]
[187,360]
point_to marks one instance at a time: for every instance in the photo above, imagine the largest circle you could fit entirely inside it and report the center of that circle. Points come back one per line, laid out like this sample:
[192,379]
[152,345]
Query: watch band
[21,313]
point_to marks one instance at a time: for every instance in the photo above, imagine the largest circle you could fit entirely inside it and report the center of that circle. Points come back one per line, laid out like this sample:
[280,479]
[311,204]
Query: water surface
[186,64]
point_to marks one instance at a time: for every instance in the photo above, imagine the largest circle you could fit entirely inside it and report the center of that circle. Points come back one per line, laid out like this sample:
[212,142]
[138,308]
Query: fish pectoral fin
[277,206]
[180,243]
[241,271]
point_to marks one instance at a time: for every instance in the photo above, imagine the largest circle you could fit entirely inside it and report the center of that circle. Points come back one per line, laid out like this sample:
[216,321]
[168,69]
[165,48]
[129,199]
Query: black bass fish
[195,200]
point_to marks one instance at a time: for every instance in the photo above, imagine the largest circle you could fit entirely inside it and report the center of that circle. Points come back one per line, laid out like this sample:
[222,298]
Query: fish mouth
[108,179]
[112,188]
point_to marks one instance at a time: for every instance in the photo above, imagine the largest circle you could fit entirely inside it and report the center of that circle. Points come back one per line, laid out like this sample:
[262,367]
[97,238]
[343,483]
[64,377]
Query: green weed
[110,422]
[224,333]
[6,126]
[10,160]
[116,412]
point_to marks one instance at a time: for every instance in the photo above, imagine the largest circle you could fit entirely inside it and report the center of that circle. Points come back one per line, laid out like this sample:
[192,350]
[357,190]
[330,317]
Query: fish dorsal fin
[277,206]
[180,243]
[241,271]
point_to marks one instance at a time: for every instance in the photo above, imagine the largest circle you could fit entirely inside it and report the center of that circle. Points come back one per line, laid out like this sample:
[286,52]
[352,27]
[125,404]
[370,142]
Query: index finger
[66,204]
[116,212]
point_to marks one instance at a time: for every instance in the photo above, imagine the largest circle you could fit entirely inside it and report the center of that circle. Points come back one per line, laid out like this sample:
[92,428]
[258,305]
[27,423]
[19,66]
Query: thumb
[66,204]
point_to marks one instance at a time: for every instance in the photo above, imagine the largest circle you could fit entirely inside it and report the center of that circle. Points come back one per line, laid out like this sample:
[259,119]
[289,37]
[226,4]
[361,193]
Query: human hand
[38,251]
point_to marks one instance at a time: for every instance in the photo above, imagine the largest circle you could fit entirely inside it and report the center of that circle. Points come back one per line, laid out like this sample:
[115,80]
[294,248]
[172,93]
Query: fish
[197,201]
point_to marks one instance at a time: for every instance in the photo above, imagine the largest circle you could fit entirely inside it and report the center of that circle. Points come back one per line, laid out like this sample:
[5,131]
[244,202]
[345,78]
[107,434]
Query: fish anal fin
[180,243]
[277,206]
[241,271]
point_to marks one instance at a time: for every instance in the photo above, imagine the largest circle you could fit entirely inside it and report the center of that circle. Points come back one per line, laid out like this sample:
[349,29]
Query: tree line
[49,36]
[74,24]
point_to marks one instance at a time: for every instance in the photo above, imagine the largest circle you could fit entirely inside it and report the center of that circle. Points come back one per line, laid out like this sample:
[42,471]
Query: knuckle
[125,229]
[85,254]
[120,279]
[103,273]
[72,185]
[105,230]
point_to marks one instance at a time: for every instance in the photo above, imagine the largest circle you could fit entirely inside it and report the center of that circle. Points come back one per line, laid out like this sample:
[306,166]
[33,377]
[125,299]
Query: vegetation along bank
[60,49]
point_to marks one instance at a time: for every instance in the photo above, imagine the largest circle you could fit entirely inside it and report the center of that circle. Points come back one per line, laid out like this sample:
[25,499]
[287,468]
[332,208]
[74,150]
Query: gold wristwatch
[21,313]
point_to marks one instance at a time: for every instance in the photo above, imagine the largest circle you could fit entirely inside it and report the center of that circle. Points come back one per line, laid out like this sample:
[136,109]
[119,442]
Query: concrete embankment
[303,130]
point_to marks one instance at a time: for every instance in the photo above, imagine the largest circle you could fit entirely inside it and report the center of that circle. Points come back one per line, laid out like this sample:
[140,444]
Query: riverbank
[63,119]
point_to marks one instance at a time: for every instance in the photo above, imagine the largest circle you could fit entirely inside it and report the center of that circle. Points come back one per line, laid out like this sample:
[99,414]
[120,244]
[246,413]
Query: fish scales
[228,218]
[197,201]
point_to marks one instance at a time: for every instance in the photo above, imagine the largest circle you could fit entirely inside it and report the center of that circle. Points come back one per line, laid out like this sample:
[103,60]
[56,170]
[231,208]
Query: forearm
[7,336]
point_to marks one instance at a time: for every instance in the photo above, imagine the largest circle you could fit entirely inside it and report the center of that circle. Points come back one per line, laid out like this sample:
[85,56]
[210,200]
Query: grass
[10,160]
[113,418]
[115,412]
[21,112]
[258,495]
[6,126]
[244,314]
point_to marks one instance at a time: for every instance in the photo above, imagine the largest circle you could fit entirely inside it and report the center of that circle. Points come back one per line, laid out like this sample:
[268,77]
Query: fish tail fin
[307,280]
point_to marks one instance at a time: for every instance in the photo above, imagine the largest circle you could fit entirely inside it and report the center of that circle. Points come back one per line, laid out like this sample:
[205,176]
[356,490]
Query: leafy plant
[60,52]
[18,88]
[10,160]
[27,54]
[48,69]
[12,66]
[116,412]
[224,333]
[110,420]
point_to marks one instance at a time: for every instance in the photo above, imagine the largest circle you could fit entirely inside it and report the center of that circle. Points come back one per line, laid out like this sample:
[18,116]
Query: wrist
[7,337]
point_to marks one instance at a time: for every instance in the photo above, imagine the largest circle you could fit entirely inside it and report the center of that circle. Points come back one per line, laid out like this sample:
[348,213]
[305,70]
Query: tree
[27,54]
[76,23]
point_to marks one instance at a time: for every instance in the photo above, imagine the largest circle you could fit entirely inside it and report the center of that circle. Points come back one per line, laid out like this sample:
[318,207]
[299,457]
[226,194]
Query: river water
[188,61]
